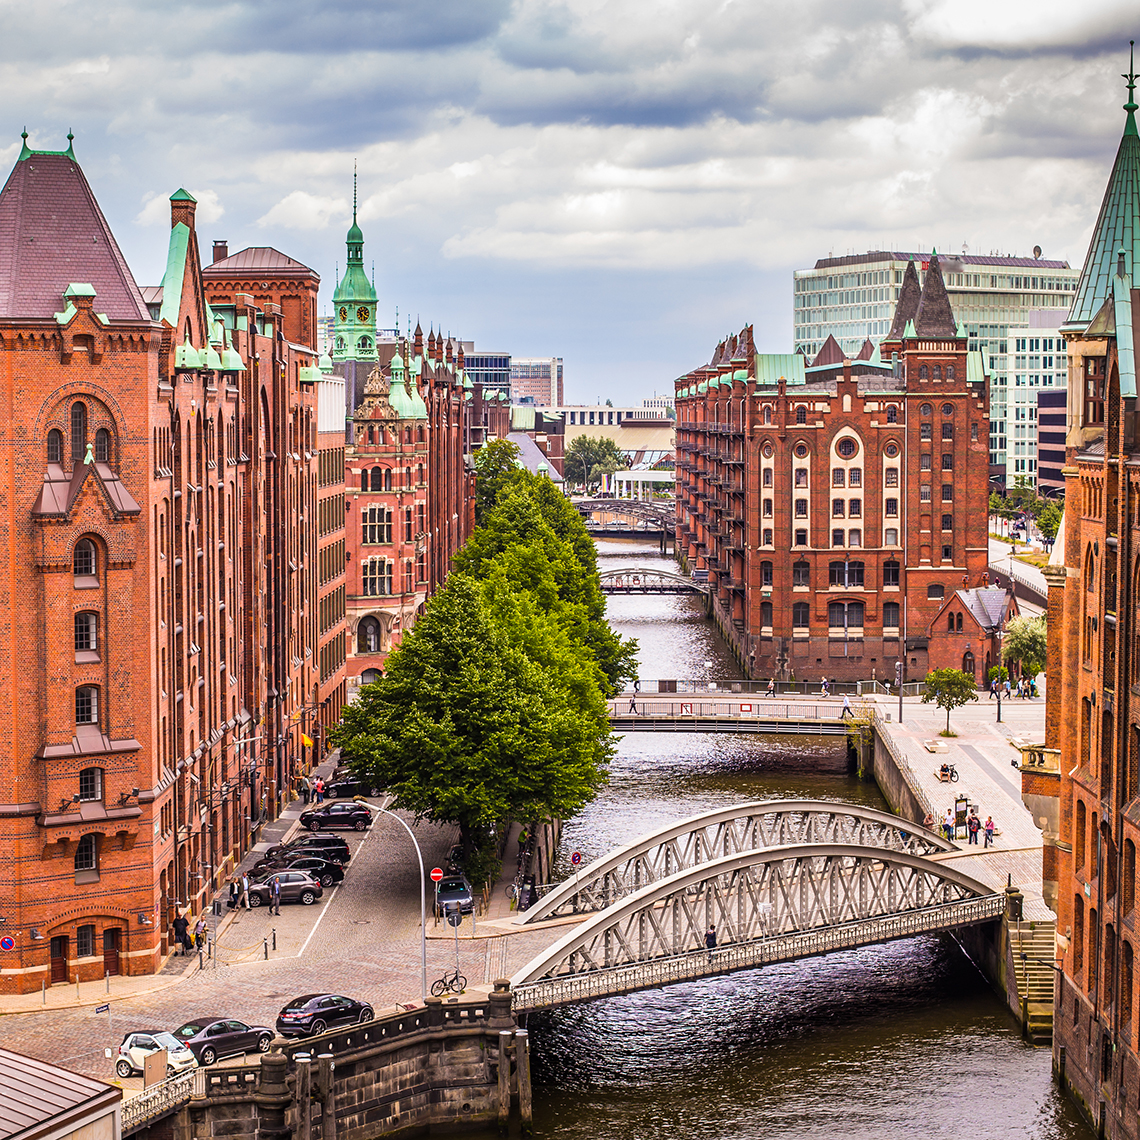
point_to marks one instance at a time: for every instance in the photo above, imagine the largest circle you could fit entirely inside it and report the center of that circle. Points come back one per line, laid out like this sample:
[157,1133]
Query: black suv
[331,847]
[348,814]
[314,1013]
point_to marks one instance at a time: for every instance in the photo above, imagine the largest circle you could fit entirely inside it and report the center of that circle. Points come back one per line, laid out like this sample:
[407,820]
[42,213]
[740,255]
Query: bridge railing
[567,989]
[649,686]
[162,1098]
[901,762]
[735,710]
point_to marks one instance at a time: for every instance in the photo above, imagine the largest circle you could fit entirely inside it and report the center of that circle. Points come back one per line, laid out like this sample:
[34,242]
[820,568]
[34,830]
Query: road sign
[686,710]
[436,874]
[102,1009]
[455,919]
[576,858]
[7,943]
[745,708]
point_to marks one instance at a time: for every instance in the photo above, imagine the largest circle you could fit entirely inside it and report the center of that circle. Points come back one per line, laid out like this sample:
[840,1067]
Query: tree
[496,467]
[1025,641]
[1049,520]
[585,453]
[949,689]
[483,714]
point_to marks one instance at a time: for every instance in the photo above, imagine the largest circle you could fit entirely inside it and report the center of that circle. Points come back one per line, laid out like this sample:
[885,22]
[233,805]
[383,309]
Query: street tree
[949,689]
[1025,641]
[1049,520]
[496,467]
[585,453]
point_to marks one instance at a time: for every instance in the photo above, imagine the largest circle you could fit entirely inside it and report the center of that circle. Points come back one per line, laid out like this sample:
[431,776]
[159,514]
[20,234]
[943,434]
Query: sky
[617,182]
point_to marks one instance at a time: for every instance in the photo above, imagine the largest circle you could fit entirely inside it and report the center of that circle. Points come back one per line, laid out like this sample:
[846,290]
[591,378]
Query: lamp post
[423,895]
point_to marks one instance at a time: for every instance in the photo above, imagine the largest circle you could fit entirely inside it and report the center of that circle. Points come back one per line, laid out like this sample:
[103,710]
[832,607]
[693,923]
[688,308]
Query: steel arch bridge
[661,514]
[639,580]
[768,905]
[728,831]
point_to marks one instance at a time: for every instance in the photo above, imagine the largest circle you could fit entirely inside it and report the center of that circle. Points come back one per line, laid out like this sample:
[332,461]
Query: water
[900,1040]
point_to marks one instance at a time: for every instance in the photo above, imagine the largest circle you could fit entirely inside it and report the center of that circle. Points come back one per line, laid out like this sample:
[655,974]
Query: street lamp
[423,896]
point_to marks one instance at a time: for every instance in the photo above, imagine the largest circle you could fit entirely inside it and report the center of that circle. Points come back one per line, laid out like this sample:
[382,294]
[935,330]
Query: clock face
[344,312]
[362,313]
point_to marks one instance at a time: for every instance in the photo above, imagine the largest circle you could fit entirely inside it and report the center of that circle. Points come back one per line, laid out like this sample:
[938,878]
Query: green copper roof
[181,195]
[1126,356]
[27,152]
[774,366]
[175,271]
[1117,226]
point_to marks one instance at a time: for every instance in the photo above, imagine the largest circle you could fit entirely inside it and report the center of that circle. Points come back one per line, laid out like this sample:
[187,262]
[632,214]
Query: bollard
[201,959]
[275,938]
[303,1098]
[265,947]
[522,1060]
[107,981]
[77,987]
[504,1077]
[43,991]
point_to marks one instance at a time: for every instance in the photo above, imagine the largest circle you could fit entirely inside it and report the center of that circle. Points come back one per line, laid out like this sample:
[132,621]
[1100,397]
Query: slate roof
[907,305]
[934,317]
[257,257]
[52,233]
[987,604]
[867,351]
[35,1096]
[829,353]
[531,456]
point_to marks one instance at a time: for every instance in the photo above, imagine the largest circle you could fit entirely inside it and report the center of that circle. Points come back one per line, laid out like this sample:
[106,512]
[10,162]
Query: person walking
[275,895]
[200,933]
[948,823]
[633,703]
[181,936]
[770,691]
[710,940]
[989,831]
[993,688]
[846,709]
[306,788]
[824,688]
[320,789]
[235,892]
[243,899]
[973,826]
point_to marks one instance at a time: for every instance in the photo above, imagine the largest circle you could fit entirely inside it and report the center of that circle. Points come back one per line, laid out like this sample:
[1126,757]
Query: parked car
[345,787]
[136,1047]
[210,1038]
[325,871]
[347,814]
[311,1014]
[286,859]
[455,889]
[336,847]
[296,886]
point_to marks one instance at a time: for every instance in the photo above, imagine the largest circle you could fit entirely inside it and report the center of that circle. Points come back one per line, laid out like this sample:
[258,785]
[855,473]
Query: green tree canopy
[1025,641]
[587,452]
[1049,520]
[949,689]
[496,467]
[484,713]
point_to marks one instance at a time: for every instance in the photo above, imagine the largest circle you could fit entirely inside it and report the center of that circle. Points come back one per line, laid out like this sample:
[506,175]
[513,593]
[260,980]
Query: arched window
[364,344]
[368,636]
[968,666]
[959,623]
[370,676]
[949,623]
[767,415]
[938,372]
[102,446]
[801,573]
[87,705]
[387,479]
[890,615]
[923,372]
[78,431]
[801,414]
[891,572]
[86,633]
[892,415]
[935,593]
[949,371]
[90,785]
[55,446]
[419,473]
[377,479]
[340,344]
[83,563]
[766,615]
[87,854]
[419,435]
[801,615]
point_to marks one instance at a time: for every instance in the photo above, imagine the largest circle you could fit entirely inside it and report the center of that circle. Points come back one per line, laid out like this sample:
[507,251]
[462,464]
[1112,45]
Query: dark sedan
[455,890]
[345,787]
[325,871]
[289,858]
[344,815]
[311,1014]
[296,886]
[211,1038]
[331,847]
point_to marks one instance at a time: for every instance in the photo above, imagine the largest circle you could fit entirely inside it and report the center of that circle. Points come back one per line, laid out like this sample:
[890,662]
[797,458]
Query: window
[845,615]
[766,615]
[801,414]
[948,463]
[801,538]
[947,522]
[949,623]
[837,538]
[949,371]
[801,450]
[924,374]
[78,431]
[935,593]
[947,431]
[847,447]
[87,854]
[891,536]
[838,477]
[368,636]
[85,939]
[947,409]
[377,577]
[855,509]
[890,615]
[854,538]
[55,446]
[948,554]
[767,508]
[86,626]
[801,573]
[974,433]
[924,462]
[91,785]
[768,537]
[102,446]
[801,508]
[83,560]
[926,410]
[87,705]
[376,479]
[938,372]
[890,572]
[891,476]
[765,573]
[891,508]
[801,615]
[855,477]
[947,492]
[767,477]
[845,573]
[925,431]
[892,415]
[837,508]
[376,525]
[924,493]
[801,477]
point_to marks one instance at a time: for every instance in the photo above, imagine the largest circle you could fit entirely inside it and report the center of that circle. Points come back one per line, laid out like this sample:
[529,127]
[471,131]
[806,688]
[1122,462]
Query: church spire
[354,300]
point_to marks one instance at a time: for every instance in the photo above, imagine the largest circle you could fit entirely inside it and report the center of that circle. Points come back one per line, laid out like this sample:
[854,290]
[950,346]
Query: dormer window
[55,446]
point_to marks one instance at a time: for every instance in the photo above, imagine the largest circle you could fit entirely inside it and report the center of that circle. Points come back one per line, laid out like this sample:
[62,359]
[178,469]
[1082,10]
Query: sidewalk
[177,968]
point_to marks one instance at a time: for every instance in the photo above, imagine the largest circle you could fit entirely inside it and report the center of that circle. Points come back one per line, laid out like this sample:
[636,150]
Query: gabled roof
[907,306]
[257,257]
[934,317]
[868,350]
[986,604]
[37,1098]
[830,353]
[52,232]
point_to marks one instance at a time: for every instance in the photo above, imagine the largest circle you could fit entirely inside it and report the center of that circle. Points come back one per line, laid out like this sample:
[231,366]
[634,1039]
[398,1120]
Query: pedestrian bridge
[652,515]
[756,714]
[640,580]
[779,880]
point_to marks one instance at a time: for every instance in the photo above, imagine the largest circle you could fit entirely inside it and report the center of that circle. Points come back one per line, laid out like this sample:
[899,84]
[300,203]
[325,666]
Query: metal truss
[743,827]
[767,905]
[638,580]
[661,513]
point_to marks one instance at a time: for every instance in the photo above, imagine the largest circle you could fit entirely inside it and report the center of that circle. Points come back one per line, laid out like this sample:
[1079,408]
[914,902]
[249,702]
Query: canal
[901,1040]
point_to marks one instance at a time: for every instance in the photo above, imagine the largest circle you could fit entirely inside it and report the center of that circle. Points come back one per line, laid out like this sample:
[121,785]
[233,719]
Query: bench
[936,746]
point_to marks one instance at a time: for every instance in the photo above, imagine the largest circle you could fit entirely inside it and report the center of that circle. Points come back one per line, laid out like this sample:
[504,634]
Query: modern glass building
[491,369]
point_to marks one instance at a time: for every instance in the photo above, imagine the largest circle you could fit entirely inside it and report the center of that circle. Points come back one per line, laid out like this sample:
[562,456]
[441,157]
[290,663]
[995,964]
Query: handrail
[901,762]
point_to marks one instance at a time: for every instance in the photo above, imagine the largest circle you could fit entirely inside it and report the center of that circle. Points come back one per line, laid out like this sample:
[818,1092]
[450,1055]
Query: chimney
[221,250]
[182,207]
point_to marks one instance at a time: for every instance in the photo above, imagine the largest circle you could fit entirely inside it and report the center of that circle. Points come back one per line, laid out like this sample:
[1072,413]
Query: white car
[136,1047]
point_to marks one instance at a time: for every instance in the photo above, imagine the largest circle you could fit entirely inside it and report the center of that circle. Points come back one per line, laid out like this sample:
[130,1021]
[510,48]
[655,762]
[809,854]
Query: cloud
[303,211]
[156,208]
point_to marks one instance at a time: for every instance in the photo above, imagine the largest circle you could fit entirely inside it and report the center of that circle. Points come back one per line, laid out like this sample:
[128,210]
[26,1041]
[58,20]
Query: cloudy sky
[619,182]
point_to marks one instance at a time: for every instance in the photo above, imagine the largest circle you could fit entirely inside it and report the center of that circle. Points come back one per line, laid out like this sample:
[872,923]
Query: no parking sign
[7,942]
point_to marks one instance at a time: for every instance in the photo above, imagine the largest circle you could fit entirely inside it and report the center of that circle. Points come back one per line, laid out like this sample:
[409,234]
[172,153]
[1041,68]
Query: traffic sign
[576,858]
[436,874]
[455,919]
[102,1009]
[745,708]
[7,942]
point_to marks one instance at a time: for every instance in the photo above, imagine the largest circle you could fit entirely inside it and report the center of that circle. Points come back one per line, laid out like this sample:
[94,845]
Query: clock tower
[354,302]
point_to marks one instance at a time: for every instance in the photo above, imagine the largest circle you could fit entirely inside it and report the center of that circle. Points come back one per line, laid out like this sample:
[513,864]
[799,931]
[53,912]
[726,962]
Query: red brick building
[1083,786]
[159,473]
[837,505]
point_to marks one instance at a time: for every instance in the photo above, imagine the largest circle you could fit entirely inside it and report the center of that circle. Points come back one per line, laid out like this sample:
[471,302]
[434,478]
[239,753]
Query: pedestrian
[973,826]
[989,831]
[824,690]
[948,823]
[181,935]
[633,703]
[200,933]
[993,688]
[320,790]
[235,891]
[1008,689]
[928,820]
[306,788]
[275,895]
[770,691]
[846,709]
[244,899]
[710,941]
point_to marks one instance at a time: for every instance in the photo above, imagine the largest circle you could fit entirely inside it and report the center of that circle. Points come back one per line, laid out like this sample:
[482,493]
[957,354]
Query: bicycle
[453,981]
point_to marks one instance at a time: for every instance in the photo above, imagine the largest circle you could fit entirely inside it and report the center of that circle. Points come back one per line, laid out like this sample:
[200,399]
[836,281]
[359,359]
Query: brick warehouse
[1083,786]
[838,505]
[161,593]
